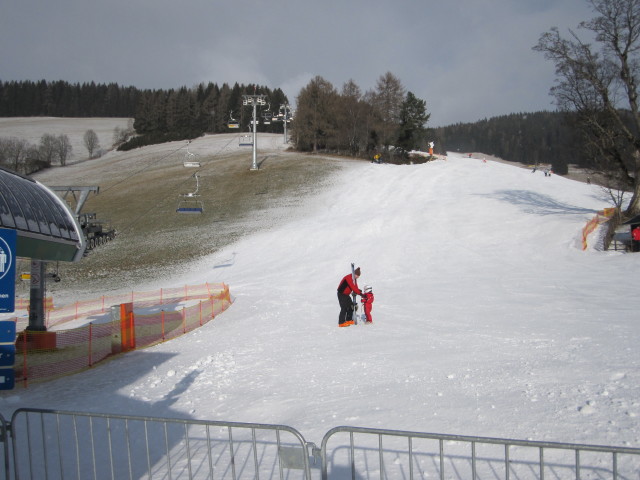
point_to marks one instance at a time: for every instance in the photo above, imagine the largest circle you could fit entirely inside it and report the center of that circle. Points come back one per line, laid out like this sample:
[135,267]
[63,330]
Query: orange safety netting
[23,303]
[54,353]
[592,224]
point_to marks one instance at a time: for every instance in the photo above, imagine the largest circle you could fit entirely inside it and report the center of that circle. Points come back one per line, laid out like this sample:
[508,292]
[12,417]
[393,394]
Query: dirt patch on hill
[139,194]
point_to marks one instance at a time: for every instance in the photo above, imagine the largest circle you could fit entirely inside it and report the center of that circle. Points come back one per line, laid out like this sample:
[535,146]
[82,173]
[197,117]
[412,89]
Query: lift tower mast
[254,101]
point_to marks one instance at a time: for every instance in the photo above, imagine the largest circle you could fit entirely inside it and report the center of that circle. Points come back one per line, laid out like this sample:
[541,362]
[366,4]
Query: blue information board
[7,354]
[7,331]
[7,379]
[7,270]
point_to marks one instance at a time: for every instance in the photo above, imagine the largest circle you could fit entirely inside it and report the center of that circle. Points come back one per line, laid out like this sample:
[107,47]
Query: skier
[348,285]
[367,300]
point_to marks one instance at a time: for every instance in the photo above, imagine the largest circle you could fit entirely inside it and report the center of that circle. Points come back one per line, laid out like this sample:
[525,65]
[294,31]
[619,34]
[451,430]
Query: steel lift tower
[254,101]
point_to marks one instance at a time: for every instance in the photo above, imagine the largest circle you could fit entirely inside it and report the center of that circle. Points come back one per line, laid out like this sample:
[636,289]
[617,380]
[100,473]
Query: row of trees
[528,138]
[63,99]
[23,157]
[207,108]
[186,113]
[597,85]
[357,123]
[159,115]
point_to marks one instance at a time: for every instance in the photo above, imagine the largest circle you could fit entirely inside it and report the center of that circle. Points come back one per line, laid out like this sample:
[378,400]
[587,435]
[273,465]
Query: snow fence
[84,333]
[594,223]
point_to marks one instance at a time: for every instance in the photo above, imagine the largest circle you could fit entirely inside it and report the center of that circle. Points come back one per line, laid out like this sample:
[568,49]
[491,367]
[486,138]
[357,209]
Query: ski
[354,302]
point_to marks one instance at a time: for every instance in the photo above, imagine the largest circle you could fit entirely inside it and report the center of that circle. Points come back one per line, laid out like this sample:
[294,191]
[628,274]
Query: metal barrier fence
[4,438]
[57,445]
[373,453]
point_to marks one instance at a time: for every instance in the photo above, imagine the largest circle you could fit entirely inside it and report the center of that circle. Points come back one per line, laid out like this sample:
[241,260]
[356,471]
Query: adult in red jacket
[345,288]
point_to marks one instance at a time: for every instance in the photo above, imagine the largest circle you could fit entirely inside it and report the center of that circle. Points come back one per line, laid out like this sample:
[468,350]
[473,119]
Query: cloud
[468,59]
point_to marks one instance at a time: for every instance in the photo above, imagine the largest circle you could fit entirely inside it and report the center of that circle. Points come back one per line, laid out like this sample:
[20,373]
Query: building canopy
[634,221]
[46,229]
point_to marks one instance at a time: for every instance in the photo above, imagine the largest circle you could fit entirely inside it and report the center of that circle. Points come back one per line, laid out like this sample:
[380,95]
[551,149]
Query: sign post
[7,270]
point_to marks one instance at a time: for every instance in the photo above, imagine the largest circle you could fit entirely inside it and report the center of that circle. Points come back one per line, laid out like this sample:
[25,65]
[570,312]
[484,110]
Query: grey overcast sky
[468,59]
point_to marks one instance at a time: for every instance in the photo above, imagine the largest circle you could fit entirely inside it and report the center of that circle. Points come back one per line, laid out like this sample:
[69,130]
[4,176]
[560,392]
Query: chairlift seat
[192,209]
[246,141]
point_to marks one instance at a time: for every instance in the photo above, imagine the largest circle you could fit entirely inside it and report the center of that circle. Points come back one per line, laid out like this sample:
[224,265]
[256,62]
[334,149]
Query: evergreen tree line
[528,138]
[63,99]
[186,113]
[159,115]
[387,119]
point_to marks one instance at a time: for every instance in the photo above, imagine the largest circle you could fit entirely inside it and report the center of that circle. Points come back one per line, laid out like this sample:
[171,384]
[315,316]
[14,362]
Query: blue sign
[7,270]
[7,355]
[7,331]
[7,379]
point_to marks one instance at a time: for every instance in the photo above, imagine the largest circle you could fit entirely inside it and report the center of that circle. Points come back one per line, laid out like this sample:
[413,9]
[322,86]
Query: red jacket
[347,286]
[635,233]
[367,298]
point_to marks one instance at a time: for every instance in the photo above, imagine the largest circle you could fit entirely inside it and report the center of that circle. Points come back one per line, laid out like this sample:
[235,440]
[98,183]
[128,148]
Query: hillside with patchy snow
[489,319]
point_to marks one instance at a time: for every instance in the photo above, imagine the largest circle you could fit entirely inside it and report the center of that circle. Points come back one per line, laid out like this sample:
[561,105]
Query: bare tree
[121,135]
[47,148]
[33,161]
[13,152]
[63,149]
[600,86]
[91,142]
[387,101]
[350,116]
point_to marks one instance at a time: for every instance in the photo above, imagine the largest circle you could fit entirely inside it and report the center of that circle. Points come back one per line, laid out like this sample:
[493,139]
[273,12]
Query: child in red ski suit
[367,300]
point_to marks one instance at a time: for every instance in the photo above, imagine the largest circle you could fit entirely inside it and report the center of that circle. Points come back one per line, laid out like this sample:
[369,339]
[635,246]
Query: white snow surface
[489,318]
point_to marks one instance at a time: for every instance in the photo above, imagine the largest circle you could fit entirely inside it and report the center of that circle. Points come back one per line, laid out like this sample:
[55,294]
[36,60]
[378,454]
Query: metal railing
[54,445]
[59,445]
[376,453]
[4,438]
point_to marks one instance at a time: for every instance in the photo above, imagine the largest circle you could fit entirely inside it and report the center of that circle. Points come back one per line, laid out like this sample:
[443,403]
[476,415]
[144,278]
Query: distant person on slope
[345,288]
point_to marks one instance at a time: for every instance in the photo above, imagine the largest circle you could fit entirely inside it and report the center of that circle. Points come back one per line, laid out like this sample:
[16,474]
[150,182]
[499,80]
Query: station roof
[46,228]
[634,221]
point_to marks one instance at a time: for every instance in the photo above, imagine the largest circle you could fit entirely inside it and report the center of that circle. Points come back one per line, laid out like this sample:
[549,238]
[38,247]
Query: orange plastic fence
[23,303]
[54,353]
[102,305]
[592,224]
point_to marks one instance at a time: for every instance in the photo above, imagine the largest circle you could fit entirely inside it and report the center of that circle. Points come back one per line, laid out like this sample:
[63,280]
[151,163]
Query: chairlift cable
[161,203]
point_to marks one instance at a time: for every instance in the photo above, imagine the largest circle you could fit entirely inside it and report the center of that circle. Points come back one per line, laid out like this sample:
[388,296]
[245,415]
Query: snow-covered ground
[489,319]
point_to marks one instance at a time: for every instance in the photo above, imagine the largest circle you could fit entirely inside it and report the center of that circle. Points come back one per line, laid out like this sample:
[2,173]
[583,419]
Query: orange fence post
[24,357]
[127,330]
